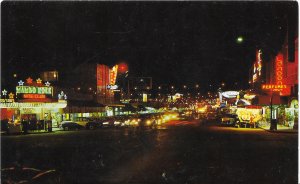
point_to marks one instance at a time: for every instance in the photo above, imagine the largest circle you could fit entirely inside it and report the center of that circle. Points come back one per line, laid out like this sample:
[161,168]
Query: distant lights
[239,39]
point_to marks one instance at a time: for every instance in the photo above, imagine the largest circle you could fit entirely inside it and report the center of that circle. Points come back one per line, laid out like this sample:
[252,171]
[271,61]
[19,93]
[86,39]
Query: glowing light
[123,68]
[279,69]
[34,105]
[239,39]
[29,80]
[38,81]
[113,74]
[34,96]
[148,122]
[4,92]
[33,89]
[11,95]
[20,83]
[15,75]
[47,83]
[273,87]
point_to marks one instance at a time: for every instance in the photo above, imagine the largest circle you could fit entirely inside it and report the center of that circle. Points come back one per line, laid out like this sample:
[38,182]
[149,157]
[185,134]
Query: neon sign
[257,66]
[230,94]
[279,69]
[112,87]
[34,90]
[113,74]
[34,96]
[275,87]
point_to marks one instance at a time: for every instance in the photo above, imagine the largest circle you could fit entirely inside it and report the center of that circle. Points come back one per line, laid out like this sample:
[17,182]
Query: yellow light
[148,122]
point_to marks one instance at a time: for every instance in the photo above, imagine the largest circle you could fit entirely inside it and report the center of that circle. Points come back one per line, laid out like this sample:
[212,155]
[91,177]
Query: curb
[280,131]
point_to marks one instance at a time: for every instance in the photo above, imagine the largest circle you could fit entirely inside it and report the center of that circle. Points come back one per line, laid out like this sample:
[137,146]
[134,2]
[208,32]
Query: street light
[239,39]
[197,86]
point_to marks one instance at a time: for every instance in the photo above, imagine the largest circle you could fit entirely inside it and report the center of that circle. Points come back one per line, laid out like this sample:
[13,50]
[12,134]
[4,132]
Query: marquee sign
[34,90]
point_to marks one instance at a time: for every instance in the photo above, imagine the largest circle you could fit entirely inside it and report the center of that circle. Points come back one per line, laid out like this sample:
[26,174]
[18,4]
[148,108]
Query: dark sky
[173,42]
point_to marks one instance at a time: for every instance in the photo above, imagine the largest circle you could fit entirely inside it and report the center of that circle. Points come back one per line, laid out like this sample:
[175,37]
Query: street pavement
[179,152]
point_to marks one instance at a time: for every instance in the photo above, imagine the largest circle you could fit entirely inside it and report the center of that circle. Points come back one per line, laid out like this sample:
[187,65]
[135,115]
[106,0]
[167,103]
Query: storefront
[33,102]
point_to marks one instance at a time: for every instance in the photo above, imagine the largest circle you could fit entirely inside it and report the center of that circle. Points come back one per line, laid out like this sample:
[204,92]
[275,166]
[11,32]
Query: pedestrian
[252,122]
[50,125]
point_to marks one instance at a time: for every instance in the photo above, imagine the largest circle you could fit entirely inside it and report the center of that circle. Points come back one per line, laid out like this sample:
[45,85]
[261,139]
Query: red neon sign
[279,69]
[34,96]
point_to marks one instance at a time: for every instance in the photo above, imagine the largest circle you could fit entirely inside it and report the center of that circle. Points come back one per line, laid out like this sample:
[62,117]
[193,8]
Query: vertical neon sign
[279,69]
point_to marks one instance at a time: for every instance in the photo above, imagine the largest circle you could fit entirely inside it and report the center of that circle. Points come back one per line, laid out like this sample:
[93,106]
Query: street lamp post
[273,123]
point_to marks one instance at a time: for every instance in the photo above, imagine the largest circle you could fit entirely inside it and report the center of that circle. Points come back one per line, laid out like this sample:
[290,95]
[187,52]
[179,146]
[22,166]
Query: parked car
[82,121]
[230,120]
[94,124]
[70,125]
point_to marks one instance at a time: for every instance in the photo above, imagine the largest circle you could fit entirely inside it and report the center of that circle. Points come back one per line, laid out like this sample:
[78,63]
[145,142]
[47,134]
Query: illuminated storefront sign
[113,74]
[7,100]
[273,87]
[230,94]
[34,96]
[279,69]
[113,87]
[34,90]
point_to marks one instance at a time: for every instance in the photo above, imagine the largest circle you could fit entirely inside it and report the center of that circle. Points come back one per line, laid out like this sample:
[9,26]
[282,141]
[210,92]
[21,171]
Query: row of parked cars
[142,120]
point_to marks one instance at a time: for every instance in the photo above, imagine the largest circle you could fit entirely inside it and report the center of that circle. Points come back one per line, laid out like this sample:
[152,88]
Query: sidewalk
[3,133]
[281,129]
[43,131]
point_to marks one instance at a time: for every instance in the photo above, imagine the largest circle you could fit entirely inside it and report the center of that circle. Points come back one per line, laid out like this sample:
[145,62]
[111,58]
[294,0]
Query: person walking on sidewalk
[50,124]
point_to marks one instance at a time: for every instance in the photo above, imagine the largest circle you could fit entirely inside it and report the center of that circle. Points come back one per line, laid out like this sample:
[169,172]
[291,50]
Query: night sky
[173,42]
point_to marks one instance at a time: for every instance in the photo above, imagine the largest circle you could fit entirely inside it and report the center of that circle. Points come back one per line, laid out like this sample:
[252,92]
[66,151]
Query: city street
[180,152]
